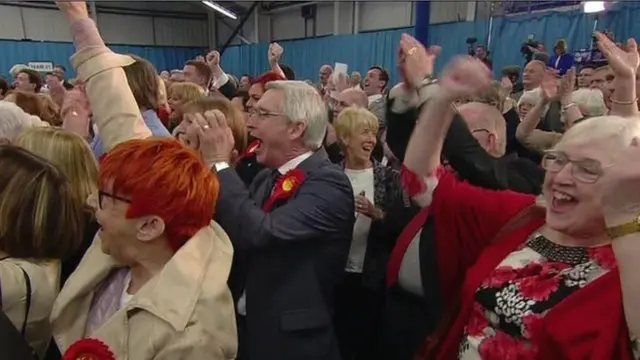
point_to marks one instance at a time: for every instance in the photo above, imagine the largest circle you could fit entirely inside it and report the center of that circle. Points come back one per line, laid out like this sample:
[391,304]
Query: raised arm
[115,111]
[624,101]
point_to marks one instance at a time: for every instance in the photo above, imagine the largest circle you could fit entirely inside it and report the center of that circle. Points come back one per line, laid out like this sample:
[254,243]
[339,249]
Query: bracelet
[568,106]
[617,102]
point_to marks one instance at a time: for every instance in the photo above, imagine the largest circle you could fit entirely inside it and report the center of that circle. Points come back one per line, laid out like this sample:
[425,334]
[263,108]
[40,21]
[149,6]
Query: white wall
[359,16]
[50,25]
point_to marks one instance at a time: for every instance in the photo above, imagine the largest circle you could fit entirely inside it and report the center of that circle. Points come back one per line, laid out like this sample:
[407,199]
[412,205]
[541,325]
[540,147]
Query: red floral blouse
[511,302]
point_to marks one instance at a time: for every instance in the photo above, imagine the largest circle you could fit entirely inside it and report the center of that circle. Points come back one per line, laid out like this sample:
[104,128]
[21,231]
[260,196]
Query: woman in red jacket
[553,278]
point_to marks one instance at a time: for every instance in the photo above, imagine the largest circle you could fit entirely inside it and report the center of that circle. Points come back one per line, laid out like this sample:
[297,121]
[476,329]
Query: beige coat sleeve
[540,141]
[115,111]
[192,346]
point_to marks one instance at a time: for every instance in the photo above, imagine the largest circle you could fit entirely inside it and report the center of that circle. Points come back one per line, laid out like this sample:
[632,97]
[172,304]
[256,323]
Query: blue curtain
[380,48]
[23,52]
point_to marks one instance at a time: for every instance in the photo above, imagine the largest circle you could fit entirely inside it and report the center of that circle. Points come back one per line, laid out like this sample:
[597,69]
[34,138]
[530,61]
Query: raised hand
[464,76]
[623,62]
[215,137]
[506,87]
[567,86]
[549,86]
[417,62]
[213,58]
[73,10]
[275,53]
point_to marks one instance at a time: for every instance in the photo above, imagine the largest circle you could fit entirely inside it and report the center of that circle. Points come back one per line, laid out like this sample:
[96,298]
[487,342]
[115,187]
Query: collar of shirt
[293,163]
[375,97]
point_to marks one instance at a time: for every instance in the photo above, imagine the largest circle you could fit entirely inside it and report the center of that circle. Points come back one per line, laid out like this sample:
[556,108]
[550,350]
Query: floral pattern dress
[520,291]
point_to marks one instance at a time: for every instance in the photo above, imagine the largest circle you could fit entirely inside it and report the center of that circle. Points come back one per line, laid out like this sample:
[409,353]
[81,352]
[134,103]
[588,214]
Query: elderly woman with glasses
[548,278]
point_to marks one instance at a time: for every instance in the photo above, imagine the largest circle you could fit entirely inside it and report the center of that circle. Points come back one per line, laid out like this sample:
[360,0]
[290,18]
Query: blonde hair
[352,120]
[162,91]
[185,91]
[40,216]
[68,151]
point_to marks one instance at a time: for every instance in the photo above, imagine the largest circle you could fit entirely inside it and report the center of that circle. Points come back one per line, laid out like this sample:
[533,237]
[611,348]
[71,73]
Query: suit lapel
[307,166]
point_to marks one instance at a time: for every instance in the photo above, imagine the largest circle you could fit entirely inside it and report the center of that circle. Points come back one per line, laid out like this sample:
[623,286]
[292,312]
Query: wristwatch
[624,229]
[219,166]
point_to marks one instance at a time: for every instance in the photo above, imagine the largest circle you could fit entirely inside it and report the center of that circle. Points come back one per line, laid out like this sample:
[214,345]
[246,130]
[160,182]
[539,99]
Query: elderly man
[291,229]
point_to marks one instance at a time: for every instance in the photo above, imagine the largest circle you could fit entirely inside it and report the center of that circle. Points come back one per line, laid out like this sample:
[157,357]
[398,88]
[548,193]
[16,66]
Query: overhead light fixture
[212,5]
[591,7]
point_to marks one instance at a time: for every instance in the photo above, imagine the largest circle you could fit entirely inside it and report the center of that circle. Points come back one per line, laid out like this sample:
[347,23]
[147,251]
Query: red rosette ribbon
[285,187]
[88,349]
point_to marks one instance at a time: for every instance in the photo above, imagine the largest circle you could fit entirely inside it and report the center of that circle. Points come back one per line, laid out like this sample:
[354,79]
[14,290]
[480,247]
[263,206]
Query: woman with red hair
[153,285]
[259,85]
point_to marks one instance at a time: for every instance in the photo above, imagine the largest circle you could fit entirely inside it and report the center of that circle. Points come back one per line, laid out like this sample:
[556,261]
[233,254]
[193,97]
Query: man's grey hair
[302,103]
[13,120]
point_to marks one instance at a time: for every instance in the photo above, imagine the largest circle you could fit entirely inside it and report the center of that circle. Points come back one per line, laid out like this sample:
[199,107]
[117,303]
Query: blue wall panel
[21,52]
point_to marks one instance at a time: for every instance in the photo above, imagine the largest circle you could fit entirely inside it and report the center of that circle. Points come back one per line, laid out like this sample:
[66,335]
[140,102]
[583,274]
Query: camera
[470,44]
[592,55]
[525,49]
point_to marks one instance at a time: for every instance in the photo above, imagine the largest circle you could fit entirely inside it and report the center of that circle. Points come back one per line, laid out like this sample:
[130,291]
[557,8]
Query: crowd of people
[190,214]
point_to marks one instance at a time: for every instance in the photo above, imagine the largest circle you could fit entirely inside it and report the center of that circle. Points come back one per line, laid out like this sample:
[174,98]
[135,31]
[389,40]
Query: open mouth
[562,202]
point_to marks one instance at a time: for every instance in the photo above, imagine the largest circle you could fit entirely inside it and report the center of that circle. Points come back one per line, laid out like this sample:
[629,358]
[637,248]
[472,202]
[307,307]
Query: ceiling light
[590,7]
[220,9]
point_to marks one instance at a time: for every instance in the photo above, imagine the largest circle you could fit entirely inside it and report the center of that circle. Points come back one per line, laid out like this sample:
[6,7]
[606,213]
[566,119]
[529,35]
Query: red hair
[162,178]
[266,78]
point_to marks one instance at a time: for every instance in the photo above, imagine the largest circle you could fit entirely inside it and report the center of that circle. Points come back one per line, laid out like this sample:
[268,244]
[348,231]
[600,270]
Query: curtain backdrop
[23,52]
[380,48]
[366,49]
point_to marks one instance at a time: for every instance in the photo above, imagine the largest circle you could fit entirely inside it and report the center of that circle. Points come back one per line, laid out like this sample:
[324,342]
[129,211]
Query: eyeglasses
[253,112]
[103,194]
[584,170]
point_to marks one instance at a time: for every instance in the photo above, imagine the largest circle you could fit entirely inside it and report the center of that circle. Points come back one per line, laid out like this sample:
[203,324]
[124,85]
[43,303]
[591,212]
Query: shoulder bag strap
[27,282]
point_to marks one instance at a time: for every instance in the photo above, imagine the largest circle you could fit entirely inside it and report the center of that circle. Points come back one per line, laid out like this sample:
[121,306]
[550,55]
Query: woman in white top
[377,191]
[40,221]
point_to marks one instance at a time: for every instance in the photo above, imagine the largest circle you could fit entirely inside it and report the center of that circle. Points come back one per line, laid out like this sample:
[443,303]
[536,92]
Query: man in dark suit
[291,252]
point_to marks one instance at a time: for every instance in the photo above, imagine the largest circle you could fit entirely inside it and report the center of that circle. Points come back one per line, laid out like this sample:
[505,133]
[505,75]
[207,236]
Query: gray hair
[615,130]
[302,103]
[532,97]
[590,102]
[13,120]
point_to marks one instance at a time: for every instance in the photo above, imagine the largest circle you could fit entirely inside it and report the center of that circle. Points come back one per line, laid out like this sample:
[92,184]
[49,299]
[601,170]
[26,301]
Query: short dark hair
[143,82]
[288,72]
[244,94]
[384,75]
[34,78]
[587,66]
[4,86]
[60,67]
[202,69]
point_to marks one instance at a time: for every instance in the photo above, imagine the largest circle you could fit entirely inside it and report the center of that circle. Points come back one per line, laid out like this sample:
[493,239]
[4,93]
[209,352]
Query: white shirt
[125,297]
[374,98]
[361,181]
[289,165]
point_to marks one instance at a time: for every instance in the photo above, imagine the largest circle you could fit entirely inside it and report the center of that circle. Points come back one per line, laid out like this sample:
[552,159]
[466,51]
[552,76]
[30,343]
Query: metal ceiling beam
[243,20]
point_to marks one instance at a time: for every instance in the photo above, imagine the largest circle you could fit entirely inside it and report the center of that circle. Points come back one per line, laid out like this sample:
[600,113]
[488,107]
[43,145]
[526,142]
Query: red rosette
[88,349]
[285,187]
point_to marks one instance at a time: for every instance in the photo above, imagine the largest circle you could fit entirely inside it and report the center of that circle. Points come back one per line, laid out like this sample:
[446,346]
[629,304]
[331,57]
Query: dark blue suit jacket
[563,65]
[289,260]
